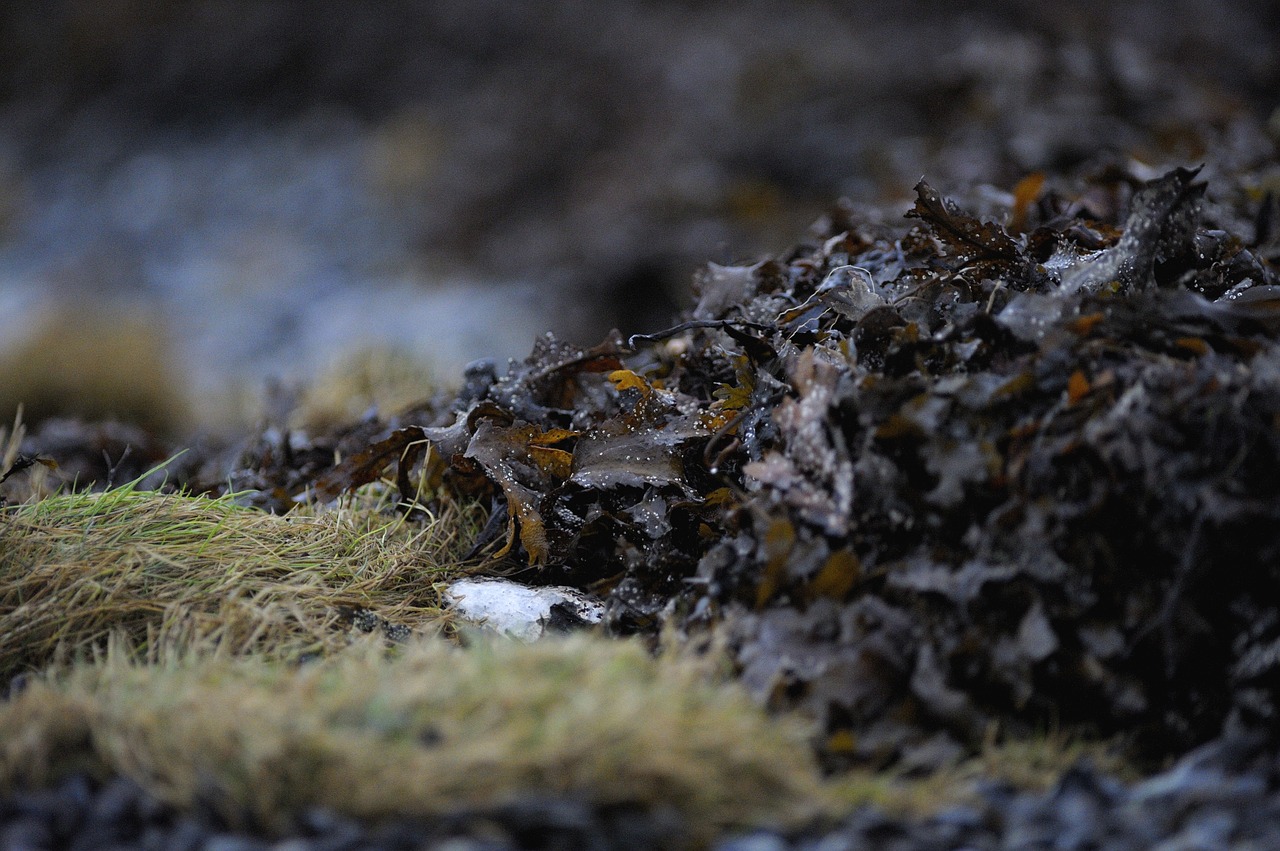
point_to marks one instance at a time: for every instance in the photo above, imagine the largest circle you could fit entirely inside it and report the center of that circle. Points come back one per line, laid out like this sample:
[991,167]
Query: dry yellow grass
[171,571]
[429,728]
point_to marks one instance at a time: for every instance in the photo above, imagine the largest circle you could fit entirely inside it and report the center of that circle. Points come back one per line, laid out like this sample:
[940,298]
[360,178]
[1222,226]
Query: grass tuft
[171,571]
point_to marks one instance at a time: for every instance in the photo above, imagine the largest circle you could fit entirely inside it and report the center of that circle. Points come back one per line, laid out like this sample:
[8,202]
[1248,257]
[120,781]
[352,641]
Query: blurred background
[200,196]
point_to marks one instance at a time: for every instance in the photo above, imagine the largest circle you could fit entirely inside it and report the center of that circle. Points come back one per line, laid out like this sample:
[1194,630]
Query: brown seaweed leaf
[640,447]
[403,446]
[965,235]
[1162,214]
[547,380]
[22,462]
[524,462]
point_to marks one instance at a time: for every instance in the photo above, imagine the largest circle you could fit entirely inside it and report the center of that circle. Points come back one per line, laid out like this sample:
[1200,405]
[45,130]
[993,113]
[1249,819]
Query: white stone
[516,610]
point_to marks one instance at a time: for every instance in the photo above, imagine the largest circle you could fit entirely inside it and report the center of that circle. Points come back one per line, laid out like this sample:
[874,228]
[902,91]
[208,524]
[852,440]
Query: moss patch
[430,729]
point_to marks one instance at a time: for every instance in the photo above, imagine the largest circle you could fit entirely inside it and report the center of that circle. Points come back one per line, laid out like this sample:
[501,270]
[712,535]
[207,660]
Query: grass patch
[171,571]
[423,730]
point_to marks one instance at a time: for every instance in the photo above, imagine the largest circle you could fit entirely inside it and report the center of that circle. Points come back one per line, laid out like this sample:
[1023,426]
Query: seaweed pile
[935,478]
[932,477]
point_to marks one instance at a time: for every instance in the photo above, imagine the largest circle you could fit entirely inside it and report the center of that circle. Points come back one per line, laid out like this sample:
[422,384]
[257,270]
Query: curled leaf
[962,233]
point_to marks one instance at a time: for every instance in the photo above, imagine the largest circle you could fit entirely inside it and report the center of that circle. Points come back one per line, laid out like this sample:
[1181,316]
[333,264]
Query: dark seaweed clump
[933,475]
